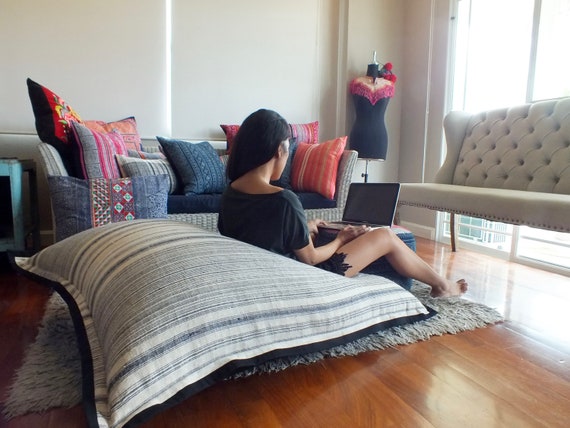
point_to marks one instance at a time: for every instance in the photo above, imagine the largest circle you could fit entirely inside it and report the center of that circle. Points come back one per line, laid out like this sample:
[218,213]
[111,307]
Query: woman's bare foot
[450,289]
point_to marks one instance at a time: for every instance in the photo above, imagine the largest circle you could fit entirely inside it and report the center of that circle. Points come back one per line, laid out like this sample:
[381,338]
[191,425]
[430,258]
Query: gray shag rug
[51,376]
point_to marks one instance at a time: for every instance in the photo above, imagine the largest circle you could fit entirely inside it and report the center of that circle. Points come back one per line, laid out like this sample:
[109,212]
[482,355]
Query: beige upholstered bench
[510,165]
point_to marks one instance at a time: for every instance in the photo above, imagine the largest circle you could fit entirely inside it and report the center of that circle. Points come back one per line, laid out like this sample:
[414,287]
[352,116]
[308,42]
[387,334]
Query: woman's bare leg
[384,242]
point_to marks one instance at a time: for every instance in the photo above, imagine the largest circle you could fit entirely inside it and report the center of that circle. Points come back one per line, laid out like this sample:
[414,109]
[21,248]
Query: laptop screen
[372,203]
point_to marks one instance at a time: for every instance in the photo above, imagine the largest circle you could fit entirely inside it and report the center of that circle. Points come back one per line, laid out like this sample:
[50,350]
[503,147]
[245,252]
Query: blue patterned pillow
[79,204]
[197,165]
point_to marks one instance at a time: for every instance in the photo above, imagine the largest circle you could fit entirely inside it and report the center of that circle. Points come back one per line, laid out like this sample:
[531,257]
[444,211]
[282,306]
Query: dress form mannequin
[371,94]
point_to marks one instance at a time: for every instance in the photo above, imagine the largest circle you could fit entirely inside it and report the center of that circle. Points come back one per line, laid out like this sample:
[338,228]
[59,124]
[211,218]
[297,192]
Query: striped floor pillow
[164,309]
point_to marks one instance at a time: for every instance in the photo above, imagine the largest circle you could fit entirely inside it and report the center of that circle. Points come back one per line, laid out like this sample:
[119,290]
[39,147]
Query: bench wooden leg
[452,230]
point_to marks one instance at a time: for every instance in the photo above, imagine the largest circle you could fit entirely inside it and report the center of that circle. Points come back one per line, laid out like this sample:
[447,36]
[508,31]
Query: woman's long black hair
[256,142]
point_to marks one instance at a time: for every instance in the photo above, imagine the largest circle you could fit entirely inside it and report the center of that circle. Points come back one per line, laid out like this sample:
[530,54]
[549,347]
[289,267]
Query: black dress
[368,135]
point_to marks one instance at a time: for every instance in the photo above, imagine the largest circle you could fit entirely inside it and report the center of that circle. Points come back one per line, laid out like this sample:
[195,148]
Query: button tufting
[521,162]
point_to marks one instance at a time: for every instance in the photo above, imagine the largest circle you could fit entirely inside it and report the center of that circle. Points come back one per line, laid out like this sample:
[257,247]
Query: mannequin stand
[365,173]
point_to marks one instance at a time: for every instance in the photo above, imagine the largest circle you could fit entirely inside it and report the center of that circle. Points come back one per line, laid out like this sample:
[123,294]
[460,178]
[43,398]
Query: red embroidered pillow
[303,133]
[315,167]
[230,131]
[95,152]
[52,115]
[126,127]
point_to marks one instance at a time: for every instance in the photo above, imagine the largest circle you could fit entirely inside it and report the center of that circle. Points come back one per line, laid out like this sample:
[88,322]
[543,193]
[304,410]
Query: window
[507,52]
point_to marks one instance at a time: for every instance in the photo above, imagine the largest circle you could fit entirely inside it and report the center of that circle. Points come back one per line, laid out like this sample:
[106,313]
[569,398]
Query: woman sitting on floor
[255,211]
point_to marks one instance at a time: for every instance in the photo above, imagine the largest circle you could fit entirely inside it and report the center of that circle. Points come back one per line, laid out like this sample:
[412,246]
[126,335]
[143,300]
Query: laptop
[370,204]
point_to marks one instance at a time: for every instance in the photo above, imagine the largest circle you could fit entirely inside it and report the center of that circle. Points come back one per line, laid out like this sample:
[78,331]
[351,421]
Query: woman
[255,211]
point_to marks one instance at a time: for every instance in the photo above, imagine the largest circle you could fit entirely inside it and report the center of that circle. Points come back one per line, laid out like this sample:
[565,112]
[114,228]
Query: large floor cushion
[162,309]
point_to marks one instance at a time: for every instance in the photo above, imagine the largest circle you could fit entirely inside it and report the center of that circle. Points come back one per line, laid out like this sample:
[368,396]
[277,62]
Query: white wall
[103,61]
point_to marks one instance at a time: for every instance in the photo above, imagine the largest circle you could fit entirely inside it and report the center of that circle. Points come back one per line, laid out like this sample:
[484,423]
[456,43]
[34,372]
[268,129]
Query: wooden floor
[515,374]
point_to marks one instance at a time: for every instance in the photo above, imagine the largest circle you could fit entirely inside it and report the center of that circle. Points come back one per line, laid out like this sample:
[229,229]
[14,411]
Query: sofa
[510,165]
[316,206]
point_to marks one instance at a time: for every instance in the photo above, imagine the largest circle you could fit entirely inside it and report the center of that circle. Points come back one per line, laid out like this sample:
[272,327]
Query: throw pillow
[137,167]
[302,133]
[52,116]
[141,154]
[197,165]
[305,132]
[95,152]
[230,131]
[315,167]
[126,127]
[79,205]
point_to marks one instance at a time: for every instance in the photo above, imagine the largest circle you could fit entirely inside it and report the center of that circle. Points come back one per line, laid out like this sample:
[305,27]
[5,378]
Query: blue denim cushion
[197,165]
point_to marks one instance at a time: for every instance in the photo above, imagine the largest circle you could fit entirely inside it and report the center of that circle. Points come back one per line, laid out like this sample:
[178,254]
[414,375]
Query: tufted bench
[510,165]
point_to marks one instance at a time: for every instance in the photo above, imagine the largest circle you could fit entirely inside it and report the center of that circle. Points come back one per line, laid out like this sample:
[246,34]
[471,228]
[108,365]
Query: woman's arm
[312,255]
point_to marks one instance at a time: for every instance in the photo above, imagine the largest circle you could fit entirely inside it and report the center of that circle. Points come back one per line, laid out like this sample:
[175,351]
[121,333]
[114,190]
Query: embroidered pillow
[79,205]
[53,115]
[137,167]
[315,167]
[230,131]
[95,152]
[197,165]
[302,133]
[126,127]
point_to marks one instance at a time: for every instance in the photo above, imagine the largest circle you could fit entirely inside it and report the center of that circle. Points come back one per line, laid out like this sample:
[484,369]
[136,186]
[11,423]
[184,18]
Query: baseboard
[419,230]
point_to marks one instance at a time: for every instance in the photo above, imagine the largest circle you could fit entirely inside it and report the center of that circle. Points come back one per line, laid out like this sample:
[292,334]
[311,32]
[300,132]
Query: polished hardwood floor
[514,374]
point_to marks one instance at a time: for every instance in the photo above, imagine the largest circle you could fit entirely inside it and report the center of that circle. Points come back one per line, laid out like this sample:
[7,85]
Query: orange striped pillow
[315,167]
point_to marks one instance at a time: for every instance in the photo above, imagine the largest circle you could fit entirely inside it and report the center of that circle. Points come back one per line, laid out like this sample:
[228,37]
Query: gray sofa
[54,166]
[510,165]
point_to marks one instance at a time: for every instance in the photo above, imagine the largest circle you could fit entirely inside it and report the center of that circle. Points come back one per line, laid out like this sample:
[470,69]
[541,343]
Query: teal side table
[14,169]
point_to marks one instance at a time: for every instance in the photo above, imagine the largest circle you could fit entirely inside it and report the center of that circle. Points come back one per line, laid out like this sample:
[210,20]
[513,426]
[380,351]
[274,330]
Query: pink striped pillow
[305,132]
[315,167]
[96,152]
[126,127]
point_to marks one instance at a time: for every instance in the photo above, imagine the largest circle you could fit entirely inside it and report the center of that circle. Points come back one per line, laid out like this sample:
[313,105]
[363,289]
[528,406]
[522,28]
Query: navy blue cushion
[197,165]
[311,200]
[182,204]
[210,202]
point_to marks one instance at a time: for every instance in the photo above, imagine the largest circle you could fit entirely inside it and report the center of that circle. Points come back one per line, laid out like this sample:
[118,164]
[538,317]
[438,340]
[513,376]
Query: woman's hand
[314,226]
[351,232]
